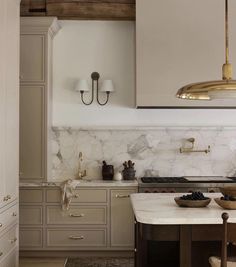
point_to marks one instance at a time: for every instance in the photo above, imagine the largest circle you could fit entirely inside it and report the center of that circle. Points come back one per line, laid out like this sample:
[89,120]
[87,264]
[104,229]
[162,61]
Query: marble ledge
[84,183]
[142,128]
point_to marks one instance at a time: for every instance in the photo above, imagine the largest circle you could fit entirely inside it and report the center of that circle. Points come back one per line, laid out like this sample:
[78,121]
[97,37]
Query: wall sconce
[106,87]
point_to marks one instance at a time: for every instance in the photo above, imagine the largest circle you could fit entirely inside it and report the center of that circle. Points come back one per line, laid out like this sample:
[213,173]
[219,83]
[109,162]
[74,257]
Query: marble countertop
[85,183]
[161,209]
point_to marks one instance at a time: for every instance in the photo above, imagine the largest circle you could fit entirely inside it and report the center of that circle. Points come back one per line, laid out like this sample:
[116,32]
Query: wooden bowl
[226,204]
[228,190]
[192,203]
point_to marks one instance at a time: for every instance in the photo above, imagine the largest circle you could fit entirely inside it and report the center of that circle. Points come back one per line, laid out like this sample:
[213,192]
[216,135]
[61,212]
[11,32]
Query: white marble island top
[161,209]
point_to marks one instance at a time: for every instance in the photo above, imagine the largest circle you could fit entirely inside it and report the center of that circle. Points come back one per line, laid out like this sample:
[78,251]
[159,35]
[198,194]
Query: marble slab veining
[155,150]
[161,209]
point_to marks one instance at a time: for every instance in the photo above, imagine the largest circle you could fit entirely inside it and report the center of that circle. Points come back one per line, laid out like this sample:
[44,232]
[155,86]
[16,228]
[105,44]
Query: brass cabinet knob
[6,198]
[13,240]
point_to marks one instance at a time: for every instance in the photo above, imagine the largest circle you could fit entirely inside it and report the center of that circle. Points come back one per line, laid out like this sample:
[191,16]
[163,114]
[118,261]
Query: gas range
[184,183]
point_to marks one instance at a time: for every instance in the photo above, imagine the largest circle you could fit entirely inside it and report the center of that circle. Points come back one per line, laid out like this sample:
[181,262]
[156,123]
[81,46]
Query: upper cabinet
[180,42]
[35,96]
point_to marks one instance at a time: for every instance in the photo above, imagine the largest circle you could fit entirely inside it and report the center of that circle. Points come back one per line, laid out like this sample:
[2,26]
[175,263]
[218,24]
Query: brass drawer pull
[122,196]
[76,215]
[13,240]
[1,253]
[76,237]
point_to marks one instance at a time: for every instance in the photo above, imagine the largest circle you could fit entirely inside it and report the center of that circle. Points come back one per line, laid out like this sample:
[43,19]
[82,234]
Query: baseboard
[66,254]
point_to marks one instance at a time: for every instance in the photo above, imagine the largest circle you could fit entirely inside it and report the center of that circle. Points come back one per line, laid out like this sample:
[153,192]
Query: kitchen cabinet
[9,93]
[9,134]
[122,221]
[35,96]
[99,219]
[175,47]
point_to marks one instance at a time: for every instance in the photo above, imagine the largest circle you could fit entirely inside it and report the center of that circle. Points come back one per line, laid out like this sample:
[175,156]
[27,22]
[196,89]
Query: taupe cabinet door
[122,219]
[32,139]
[32,54]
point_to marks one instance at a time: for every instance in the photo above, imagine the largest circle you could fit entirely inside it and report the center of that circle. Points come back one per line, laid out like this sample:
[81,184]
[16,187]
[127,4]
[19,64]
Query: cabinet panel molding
[31,238]
[76,237]
[32,139]
[32,58]
[77,215]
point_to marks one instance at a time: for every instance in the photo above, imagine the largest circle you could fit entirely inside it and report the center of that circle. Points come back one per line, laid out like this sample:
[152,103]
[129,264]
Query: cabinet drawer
[31,196]
[30,238]
[8,241]
[76,215]
[83,196]
[76,238]
[8,217]
[31,215]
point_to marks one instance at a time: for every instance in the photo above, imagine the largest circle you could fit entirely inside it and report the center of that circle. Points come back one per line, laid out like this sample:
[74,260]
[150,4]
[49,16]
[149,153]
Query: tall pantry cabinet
[36,35]
[9,134]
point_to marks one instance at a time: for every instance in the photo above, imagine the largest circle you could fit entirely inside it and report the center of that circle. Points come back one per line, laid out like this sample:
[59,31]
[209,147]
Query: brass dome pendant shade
[222,89]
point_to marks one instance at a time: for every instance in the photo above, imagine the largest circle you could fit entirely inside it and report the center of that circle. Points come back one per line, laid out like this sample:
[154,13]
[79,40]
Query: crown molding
[49,25]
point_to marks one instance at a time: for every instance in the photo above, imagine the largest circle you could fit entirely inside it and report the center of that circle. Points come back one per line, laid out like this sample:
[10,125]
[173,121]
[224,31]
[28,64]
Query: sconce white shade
[82,85]
[107,86]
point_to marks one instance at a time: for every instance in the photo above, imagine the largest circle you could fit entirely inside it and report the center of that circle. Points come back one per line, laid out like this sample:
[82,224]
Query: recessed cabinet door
[32,139]
[32,54]
[122,219]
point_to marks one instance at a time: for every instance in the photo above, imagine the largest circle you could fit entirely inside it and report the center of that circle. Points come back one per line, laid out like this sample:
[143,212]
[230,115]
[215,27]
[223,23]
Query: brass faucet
[81,173]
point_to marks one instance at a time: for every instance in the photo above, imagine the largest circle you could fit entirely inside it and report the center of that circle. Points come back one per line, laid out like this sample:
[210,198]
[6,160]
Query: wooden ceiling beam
[80,9]
[33,8]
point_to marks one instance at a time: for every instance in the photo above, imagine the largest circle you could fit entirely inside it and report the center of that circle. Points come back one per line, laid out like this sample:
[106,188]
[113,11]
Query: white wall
[82,47]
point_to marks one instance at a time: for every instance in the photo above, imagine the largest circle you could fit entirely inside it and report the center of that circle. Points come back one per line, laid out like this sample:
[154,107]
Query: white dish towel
[68,193]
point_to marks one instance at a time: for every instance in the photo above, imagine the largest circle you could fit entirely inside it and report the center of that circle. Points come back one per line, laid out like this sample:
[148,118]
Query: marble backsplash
[155,150]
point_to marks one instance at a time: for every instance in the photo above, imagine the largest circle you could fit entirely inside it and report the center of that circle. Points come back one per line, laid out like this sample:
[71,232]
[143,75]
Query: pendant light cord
[226,33]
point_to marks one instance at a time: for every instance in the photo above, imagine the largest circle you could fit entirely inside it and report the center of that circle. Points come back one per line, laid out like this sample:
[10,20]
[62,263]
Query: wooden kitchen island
[168,235]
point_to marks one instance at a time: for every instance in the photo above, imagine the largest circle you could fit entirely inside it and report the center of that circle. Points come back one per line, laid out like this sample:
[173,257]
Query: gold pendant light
[221,89]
